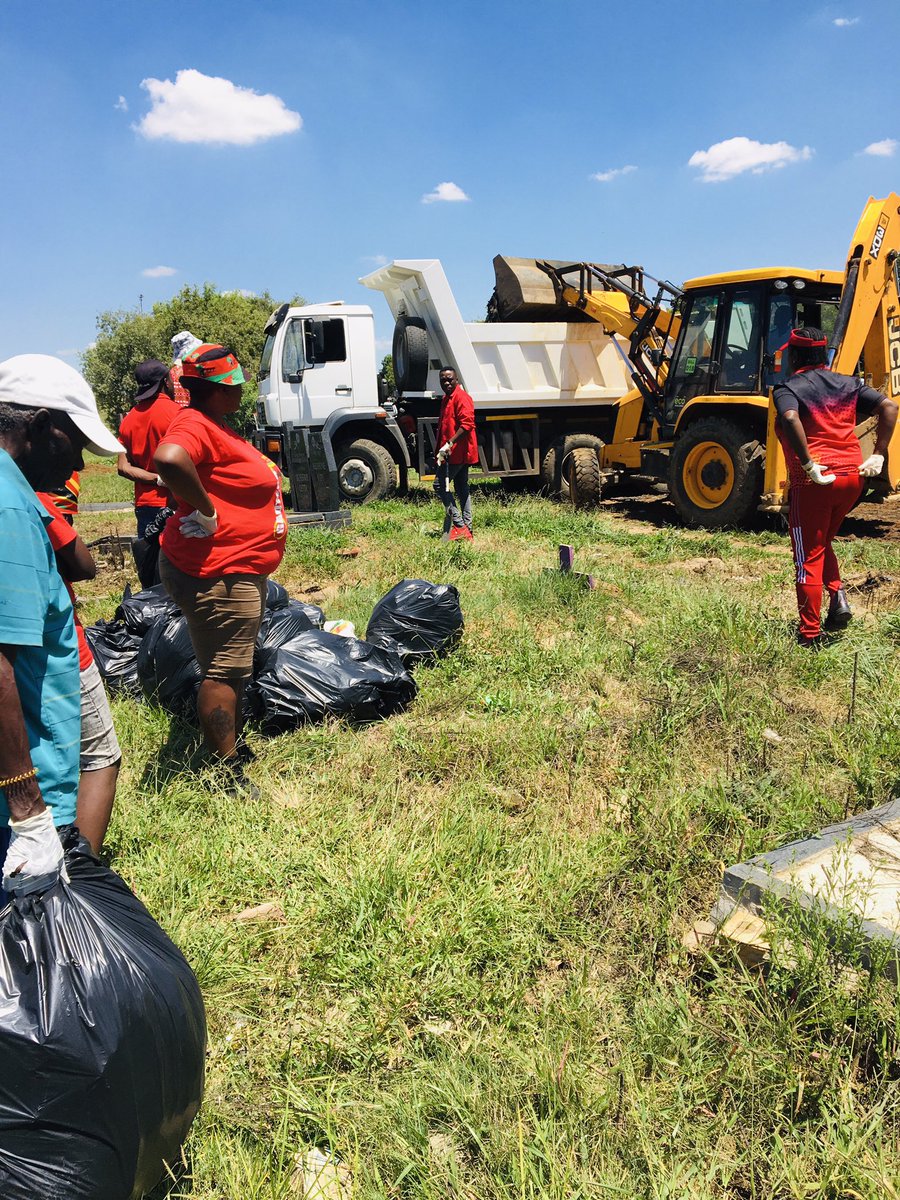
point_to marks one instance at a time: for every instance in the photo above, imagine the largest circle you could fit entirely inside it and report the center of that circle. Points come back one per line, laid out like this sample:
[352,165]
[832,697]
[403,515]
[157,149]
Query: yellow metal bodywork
[762,275]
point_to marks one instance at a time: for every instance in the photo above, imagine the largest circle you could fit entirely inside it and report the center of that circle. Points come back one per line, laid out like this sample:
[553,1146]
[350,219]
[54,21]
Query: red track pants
[816,512]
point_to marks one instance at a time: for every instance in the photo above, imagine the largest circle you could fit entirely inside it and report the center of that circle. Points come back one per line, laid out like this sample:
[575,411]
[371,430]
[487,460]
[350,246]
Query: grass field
[475,984]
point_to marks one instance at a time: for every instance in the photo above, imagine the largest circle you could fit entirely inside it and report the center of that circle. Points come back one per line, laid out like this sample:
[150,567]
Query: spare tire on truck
[556,468]
[410,354]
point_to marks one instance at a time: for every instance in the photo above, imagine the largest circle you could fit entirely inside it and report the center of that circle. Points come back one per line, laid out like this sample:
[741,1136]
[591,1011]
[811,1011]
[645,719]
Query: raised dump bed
[505,364]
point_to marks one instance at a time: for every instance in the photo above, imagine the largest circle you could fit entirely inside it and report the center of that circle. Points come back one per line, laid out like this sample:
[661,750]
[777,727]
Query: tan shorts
[223,614]
[99,744]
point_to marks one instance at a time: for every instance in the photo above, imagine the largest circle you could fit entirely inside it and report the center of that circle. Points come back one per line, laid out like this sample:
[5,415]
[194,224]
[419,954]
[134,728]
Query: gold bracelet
[5,783]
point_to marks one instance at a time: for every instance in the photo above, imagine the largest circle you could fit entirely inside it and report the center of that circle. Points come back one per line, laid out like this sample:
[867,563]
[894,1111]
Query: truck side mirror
[314,342]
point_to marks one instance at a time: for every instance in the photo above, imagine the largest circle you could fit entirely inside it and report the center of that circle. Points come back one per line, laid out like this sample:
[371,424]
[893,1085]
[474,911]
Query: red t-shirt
[245,488]
[830,406]
[182,395]
[458,412]
[140,432]
[61,534]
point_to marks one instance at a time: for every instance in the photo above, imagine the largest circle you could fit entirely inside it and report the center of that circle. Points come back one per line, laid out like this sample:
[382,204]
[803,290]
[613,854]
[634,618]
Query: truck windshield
[265,363]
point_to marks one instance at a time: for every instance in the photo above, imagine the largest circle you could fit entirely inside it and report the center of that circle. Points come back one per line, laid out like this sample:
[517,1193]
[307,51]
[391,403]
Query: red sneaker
[457,532]
[467,533]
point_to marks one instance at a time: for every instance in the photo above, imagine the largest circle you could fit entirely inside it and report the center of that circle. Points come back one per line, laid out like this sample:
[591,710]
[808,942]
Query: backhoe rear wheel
[585,480]
[715,474]
[556,467]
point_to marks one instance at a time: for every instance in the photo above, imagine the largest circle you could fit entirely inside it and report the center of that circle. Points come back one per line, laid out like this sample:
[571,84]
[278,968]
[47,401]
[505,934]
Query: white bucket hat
[41,381]
[183,343]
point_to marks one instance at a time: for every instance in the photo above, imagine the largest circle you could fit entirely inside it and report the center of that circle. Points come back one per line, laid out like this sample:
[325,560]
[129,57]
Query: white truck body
[533,384]
[503,365]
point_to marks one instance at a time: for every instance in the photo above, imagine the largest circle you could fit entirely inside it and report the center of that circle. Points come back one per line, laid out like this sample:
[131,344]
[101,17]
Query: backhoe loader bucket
[525,291]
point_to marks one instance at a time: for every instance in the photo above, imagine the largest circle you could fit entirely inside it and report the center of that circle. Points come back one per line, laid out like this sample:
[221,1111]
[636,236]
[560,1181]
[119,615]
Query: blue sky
[362,109]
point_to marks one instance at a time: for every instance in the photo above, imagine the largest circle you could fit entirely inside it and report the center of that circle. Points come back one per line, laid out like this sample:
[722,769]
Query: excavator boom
[868,321]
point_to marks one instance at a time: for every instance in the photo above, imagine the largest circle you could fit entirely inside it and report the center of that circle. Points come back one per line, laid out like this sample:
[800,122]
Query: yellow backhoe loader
[704,360]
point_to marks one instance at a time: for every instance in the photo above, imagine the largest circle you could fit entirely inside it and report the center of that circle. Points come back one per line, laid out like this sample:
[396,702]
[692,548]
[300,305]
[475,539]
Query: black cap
[150,375]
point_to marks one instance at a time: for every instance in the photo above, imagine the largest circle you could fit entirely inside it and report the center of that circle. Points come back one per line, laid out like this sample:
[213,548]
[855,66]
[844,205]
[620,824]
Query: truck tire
[715,473]
[366,471]
[585,479]
[410,354]
[555,469]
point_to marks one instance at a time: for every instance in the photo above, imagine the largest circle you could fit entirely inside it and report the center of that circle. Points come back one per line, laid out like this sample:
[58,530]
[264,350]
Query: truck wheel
[410,354]
[555,469]
[366,472]
[585,480]
[715,474]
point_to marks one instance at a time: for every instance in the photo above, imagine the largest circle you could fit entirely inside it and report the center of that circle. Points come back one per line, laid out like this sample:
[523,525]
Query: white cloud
[121,105]
[614,173]
[449,192]
[204,108]
[377,260]
[734,156]
[883,149]
[158,272]
[845,22]
[68,353]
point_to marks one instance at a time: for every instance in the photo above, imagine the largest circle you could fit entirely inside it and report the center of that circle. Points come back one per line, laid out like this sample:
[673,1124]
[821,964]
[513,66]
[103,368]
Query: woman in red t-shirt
[226,537]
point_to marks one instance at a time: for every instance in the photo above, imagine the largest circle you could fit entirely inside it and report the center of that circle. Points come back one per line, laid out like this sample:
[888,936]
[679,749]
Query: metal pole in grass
[852,708]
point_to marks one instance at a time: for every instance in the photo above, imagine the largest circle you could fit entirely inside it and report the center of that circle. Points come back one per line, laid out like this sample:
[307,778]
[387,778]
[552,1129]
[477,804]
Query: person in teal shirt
[48,416]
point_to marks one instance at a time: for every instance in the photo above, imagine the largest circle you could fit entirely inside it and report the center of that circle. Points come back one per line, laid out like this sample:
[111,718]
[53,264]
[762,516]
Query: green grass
[479,987]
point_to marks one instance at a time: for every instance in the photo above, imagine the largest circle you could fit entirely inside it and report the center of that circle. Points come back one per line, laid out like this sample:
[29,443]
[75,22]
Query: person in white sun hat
[48,417]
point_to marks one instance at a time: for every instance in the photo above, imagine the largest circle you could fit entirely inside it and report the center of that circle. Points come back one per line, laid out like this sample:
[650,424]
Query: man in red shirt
[141,431]
[818,411]
[457,451]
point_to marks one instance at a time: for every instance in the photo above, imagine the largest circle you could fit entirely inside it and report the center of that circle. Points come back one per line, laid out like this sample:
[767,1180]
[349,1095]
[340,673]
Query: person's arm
[887,419]
[129,471]
[24,799]
[75,562]
[178,473]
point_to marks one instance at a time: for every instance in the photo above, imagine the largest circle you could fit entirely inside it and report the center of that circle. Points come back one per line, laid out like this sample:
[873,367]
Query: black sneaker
[839,611]
[236,780]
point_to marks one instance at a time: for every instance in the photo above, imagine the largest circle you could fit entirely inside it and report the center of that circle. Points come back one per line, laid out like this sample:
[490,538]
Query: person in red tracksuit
[457,451]
[818,411]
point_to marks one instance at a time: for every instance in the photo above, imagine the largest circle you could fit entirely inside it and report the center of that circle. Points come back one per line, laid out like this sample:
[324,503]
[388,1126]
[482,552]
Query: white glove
[34,860]
[873,466]
[196,525]
[817,473]
[444,452]
[160,482]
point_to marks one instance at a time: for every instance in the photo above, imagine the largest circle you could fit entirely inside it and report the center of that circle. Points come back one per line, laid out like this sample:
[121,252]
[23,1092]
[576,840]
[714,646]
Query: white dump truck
[544,378]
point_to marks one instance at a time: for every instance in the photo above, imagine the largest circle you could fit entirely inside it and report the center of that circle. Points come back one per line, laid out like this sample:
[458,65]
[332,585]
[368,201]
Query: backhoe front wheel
[715,474]
[366,471]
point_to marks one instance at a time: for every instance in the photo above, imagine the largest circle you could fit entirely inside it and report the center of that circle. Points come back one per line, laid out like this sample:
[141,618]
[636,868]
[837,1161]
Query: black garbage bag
[281,626]
[115,650]
[423,619]
[146,549]
[102,1040]
[276,595]
[141,611]
[167,667]
[320,674]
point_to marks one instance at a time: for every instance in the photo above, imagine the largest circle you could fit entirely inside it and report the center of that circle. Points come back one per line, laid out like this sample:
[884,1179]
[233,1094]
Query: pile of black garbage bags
[301,673]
